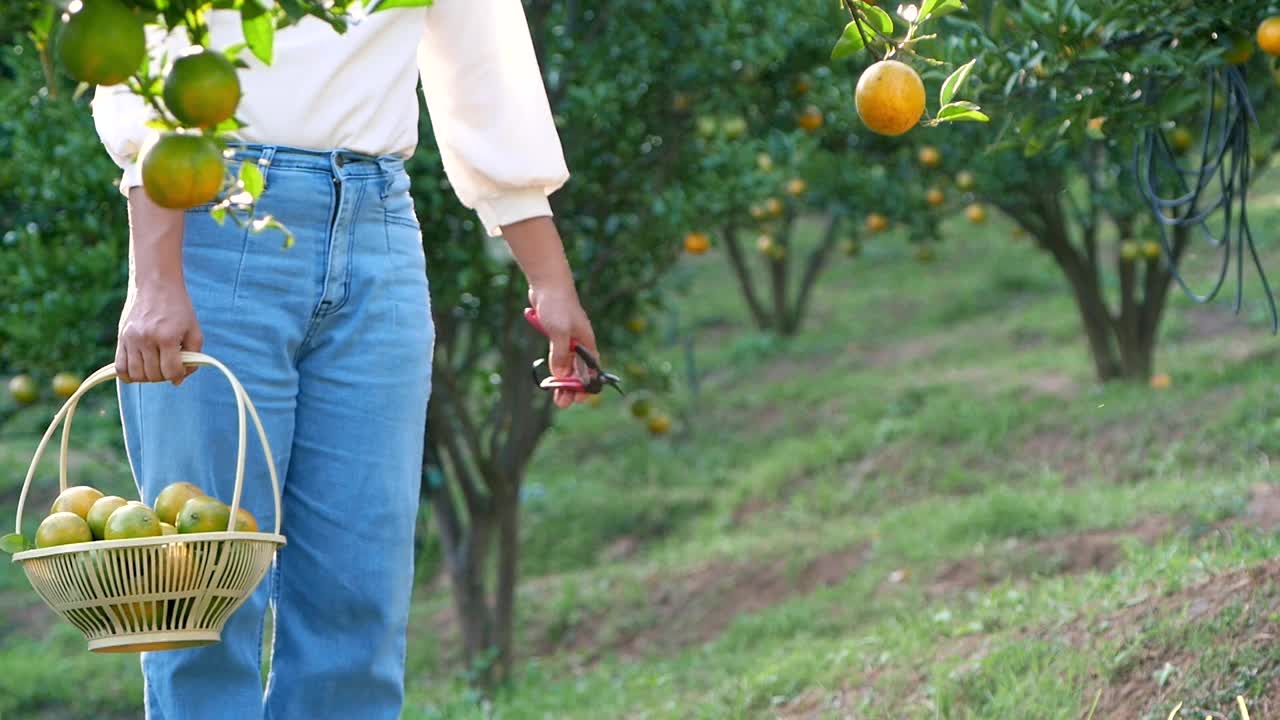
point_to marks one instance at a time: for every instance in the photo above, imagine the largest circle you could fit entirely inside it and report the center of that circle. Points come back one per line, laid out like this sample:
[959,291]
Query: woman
[331,337]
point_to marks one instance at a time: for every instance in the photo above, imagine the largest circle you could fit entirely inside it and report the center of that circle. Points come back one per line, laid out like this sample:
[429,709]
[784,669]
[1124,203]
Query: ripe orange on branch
[202,89]
[182,171]
[103,43]
[890,97]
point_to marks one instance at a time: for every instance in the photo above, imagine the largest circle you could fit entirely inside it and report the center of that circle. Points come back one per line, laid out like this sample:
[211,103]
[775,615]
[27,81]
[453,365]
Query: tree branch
[817,263]
[743,273]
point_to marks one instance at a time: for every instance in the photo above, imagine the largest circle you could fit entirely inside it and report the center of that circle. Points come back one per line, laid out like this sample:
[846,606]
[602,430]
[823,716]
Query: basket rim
[95,545]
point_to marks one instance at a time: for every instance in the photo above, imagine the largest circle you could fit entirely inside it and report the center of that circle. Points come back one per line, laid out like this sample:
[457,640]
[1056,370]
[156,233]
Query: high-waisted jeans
[332,338]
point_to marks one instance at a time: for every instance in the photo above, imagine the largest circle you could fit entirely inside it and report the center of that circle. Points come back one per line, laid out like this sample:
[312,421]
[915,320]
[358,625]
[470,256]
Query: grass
[922,506]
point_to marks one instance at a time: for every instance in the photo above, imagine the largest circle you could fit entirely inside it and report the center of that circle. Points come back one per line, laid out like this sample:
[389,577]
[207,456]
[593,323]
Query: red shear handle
[532,316]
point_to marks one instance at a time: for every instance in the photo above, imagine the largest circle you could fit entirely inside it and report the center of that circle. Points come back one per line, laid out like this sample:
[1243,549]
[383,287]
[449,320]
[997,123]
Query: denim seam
[352,224]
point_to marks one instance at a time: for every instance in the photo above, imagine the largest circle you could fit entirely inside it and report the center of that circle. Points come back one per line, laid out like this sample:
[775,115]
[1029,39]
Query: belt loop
[264,163]
[336,161]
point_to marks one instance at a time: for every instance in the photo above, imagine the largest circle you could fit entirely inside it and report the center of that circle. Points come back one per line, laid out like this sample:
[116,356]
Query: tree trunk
[508,516]
[742,272]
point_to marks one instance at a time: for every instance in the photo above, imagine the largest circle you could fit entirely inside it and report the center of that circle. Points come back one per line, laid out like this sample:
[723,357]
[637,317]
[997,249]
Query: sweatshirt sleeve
[489,110]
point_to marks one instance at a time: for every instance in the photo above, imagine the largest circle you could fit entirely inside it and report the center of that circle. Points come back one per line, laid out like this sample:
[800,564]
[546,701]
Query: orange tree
[628,143]
[781,142]
[62,244]
[1124,134]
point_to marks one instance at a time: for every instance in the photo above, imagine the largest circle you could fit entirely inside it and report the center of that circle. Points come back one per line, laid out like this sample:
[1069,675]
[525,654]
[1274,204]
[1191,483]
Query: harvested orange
[100,512]
[62,528]
[171,499]
[132,521]
[203,514]
[245,521]
[78,500]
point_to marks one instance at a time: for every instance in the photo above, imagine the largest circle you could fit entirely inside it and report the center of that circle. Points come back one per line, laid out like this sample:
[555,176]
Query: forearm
[156,237]
[535,243]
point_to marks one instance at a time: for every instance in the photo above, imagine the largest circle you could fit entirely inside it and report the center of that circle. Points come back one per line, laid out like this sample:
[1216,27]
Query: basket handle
[107,373]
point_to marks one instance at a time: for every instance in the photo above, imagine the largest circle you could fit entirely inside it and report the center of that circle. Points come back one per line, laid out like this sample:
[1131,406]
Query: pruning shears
[598,377]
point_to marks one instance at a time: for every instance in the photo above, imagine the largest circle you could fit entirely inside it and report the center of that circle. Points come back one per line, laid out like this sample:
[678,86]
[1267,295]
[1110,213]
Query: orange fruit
[659,424]
[62,528]
[802,85]
[171,499]
[929,156]
[773,207]
[132,521]
[640,408]
[758,212]
[796,187]
[1181,140]
[66,384]
[1240,51]
[100,512]
[680,102]
[203,514]
[1151,250]
[1129,251]
[1161,381]
[1269,36]
[23,389]
[890,97]
[764,161]
[696,243]
[245,521]
[934,197]
[167,529]
[965,180]
[811,119]
[638,324]
[976,213]
[877,222]
[78,500]
[102,44]
[765,244]
[202,88]
[182,171]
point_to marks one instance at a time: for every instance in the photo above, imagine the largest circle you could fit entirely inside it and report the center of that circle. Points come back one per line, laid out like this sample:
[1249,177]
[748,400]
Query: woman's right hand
[161,324]
[161,321]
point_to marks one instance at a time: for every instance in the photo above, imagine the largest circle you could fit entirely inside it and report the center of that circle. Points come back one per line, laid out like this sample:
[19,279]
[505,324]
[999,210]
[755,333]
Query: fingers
[143,357]
[122,362]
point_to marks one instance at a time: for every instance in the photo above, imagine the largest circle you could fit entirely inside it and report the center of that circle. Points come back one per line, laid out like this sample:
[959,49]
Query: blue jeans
[332,338]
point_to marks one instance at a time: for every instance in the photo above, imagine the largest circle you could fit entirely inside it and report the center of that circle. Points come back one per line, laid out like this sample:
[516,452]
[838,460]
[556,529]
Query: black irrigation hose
[1225,161]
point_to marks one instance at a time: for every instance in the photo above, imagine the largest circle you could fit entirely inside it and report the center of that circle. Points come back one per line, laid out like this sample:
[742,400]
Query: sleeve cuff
[132,178]
[511,208]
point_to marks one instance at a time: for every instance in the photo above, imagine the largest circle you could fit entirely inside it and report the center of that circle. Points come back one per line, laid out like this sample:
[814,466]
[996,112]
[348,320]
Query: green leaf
[43,26]
[218,213]
[229,125]
[251,179]
[878,18]
[232,52]
[389,4]
[954,81]
[259,31]
[13,543]
[961,112]
[937,8]
[849,43]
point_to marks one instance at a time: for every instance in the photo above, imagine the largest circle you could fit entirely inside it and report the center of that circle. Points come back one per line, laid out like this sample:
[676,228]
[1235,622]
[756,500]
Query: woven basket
[160,593]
